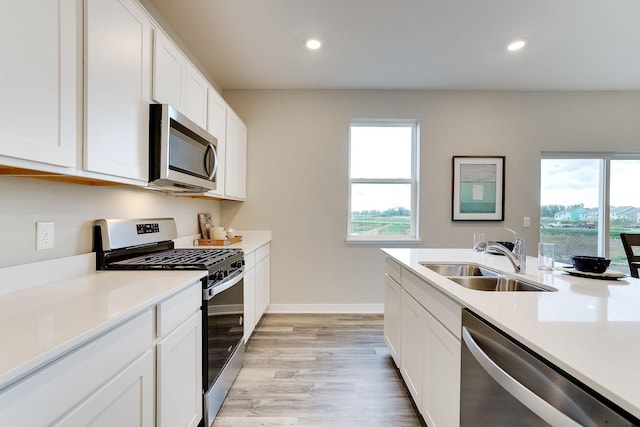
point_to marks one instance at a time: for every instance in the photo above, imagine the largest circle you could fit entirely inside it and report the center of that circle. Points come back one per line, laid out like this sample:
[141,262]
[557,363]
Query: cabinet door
[392,317]
[195,106]
[117,82]
[236,157]
[179,375]
[39,80]
[262,287]
[441,380]
[169,72]
[126,400]
[413,346]
[249,303]
[216,126]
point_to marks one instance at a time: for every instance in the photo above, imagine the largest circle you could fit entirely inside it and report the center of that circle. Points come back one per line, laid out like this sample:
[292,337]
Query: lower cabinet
[392,318]
[440,376]
[126,400]
[257,292]
[121,376]
[179,382]
[422,331]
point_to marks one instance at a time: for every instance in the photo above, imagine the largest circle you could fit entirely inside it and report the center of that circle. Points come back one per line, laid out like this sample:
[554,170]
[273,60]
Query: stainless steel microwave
[182,155]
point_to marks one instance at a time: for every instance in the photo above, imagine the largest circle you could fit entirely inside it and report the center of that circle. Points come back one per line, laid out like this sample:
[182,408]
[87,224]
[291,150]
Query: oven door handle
[209,293]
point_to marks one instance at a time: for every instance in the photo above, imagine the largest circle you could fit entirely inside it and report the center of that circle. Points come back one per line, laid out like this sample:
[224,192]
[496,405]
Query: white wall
[297,179]
[73,208]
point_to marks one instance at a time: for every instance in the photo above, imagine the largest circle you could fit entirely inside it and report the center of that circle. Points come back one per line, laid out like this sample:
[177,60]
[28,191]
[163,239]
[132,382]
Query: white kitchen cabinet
[179,359]
[257,292]
[263,281]
[236,157]
[40,81]
[169,71]
[422,331]
[196,96]
[392,318]
[441,376]
[216,126]
[100,375]
[179,382]
[118,36]
[178,82]
[126,400]
[249,290]
[412,355]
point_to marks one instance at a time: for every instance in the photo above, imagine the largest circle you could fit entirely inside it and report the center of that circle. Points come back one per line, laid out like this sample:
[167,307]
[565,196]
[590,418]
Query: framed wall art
[478,188]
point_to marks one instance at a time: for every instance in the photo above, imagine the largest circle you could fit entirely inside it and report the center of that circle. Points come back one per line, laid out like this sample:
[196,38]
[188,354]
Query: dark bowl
[590,264]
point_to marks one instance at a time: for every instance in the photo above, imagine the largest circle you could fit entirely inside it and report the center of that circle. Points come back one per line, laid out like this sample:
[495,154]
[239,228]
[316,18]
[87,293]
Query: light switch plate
[526,222]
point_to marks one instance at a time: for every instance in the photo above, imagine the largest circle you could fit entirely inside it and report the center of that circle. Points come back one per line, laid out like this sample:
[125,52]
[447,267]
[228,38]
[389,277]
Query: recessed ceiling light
[516,45]
[313,44]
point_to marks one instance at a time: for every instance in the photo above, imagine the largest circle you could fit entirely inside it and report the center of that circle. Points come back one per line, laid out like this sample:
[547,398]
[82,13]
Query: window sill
[383,242]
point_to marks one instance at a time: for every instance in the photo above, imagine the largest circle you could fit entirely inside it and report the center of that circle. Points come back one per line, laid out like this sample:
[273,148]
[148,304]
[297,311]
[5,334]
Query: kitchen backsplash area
[72,208]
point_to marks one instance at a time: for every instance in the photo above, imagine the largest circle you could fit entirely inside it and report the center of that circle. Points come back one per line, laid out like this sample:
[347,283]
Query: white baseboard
[326,308]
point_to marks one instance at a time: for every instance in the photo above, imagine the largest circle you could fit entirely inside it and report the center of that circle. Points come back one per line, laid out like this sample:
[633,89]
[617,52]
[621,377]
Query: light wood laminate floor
[318,370]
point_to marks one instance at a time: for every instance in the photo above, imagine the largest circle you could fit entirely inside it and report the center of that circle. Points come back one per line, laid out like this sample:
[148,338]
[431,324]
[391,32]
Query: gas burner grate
[182,257]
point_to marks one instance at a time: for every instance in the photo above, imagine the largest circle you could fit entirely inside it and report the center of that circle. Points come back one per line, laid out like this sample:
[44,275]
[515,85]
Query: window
[383,183]
[586,201]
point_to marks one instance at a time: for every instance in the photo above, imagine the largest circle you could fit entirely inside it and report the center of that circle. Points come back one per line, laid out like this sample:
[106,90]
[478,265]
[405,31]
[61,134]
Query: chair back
[631,244]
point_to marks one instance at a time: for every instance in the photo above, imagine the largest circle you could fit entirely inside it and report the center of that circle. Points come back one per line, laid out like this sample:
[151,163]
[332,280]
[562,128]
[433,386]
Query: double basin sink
[480,278]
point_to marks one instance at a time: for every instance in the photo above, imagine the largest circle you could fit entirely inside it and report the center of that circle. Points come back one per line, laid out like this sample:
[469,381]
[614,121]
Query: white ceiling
[412,44]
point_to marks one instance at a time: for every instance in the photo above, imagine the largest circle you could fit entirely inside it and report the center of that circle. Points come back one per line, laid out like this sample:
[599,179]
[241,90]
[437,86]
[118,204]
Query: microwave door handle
[528,398]
[211,148]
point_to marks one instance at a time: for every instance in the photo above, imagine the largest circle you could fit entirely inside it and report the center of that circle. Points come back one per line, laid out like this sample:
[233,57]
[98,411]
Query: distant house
[589,214]
[630,214]
[563,214]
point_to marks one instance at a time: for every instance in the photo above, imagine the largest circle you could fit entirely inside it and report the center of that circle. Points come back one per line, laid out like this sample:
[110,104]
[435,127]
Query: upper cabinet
[177,82]
[118,37]
[49,83]
[217,126]
[236,157]
[39,81]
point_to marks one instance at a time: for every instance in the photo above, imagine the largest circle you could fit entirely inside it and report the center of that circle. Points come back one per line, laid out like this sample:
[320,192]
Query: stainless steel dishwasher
[505,384]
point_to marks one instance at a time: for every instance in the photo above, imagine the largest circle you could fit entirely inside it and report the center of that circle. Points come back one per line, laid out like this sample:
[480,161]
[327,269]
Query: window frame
[413,180]
[604,186]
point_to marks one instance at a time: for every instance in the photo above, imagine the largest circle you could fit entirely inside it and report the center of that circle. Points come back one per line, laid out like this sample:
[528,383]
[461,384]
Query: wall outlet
[44,235]
[526,222]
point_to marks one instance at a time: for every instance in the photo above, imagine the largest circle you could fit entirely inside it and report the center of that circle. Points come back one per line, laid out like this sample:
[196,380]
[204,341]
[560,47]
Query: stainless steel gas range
[145,244]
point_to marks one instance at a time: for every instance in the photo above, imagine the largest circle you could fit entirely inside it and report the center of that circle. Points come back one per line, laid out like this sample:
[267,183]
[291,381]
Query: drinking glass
[545,256]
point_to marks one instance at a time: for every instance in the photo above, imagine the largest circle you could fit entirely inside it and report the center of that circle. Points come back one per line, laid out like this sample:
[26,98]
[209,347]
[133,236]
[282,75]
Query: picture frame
[478,188]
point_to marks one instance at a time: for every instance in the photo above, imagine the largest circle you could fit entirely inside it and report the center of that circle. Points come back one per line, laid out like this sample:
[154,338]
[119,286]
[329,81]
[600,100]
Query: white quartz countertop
[251,240]
[40,322]
[590,327]
[49,308]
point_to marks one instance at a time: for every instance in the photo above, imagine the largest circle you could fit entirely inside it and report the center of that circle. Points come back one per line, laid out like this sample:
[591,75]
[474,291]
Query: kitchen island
[589,328]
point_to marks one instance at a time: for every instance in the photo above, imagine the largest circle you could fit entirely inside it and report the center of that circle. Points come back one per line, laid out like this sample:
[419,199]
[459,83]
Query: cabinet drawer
[262,252]
[178,308]
[49,393]
[392,268]
[249,260]
[438,304]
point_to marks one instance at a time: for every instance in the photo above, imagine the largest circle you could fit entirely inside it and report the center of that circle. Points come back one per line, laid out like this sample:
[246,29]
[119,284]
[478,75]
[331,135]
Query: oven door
[223,344]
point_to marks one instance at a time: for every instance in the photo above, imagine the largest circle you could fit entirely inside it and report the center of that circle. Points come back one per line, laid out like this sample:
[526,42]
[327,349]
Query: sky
[575,181]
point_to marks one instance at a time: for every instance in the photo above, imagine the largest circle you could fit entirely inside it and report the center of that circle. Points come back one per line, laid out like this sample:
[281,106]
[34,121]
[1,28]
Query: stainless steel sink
[499,284]
[458,269]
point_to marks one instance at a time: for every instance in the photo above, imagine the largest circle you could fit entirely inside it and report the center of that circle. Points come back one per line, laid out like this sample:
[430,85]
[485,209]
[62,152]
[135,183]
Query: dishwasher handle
[519,391]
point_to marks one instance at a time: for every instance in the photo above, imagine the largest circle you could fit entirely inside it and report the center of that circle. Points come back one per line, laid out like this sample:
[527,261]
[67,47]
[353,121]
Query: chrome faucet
[518,256]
